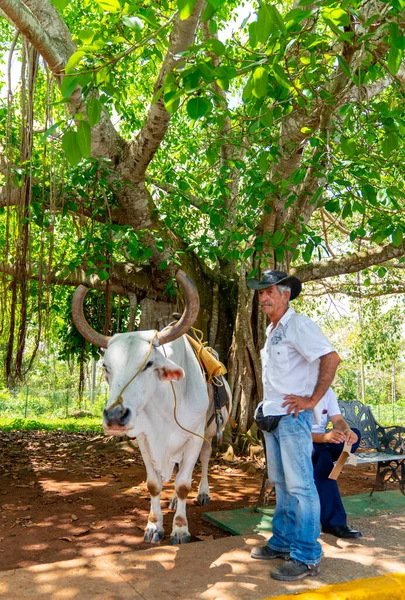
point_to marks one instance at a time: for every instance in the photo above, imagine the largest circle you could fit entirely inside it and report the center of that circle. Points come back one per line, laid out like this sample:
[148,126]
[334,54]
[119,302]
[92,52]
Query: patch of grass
[87,424]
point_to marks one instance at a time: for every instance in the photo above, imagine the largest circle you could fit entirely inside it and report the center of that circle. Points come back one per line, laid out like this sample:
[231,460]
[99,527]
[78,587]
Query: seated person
[327,448]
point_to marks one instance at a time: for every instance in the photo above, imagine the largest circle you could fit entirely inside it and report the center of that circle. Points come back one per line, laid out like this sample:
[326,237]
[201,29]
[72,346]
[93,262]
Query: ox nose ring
[115,417]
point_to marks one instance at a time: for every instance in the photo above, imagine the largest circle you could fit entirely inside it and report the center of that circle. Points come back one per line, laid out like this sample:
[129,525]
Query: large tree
[143,136]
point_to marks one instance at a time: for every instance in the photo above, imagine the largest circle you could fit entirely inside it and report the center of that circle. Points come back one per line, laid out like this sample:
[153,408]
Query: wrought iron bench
[386,444]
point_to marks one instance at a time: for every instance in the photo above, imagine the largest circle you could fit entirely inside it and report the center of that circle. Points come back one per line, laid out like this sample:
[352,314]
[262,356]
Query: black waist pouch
[266,423]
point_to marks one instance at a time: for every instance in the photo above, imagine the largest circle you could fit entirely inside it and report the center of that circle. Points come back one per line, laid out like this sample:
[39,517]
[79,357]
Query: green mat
[244,521]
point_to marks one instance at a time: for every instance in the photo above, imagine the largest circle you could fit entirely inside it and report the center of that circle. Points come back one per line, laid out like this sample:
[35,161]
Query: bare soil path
[68,495]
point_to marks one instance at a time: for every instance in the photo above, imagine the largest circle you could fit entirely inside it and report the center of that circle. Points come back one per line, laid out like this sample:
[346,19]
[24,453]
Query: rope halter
[119,401]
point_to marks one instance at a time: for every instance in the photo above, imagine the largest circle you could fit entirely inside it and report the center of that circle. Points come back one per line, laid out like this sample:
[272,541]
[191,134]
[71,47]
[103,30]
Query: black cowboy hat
[270,278]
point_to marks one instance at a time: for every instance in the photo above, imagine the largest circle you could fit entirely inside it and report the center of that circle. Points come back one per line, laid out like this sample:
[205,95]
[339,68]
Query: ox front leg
[180,533]
[203,496]
[154,531]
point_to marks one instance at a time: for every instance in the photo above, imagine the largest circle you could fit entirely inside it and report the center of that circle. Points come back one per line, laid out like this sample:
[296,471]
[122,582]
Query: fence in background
[29,402]
[33,402]
[389,414]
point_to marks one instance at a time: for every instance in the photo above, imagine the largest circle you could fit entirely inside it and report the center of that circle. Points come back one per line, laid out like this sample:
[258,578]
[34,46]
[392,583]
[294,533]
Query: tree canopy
[139,136]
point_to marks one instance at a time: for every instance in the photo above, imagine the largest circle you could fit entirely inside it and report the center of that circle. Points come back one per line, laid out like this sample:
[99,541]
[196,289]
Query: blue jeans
[333,513]
[296,520]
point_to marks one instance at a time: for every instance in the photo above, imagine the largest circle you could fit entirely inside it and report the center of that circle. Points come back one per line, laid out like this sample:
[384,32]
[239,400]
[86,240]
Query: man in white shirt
[327,448]
[299,364]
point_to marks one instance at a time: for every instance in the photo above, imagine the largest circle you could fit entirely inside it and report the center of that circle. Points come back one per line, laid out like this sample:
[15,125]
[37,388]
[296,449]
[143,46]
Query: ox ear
[169,371]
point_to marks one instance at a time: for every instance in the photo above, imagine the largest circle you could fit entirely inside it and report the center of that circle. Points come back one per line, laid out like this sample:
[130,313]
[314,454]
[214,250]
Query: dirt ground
[68,495]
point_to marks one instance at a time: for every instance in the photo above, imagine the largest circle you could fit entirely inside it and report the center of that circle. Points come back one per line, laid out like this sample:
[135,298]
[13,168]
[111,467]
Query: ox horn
[190,312]
[98,339]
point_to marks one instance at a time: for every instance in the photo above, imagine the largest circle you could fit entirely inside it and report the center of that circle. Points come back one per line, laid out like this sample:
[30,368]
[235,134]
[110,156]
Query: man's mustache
[266,304]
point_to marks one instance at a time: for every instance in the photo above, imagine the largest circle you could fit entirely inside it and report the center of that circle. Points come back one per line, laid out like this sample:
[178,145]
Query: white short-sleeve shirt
[327,406]
[290,360]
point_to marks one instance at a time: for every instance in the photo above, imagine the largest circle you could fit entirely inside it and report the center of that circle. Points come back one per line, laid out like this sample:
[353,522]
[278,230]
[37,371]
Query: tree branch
[347,264]
[136,280]
[54,50]
[143,149]
[171,189]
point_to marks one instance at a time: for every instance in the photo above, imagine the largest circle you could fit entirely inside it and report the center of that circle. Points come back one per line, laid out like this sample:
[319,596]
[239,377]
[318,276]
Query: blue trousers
[333,513]
[296,525]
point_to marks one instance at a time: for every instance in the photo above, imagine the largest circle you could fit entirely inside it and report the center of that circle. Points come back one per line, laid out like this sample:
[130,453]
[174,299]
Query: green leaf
[335,17]
[74,60]
[381,272]
[223,84]
[347,210]
[71,148]
[157,95]
[281,77]
[186,8]
[217,3]
[260,82]
[84,138]
[60,4]
[397,237]
[93,109]
[86,35]
[253,41]
[263,162]
[278,238]
[68,86]
[394,60]
[103,275]
[112,6]
[84,79]
[197,107]
[212,156]
[49,131]
[207,72]
[279,254]
[248,252]
[344,66]
[348,146]
[208,11]
[172,101]
[215,46]
[264,24]
[296,15]
[277,18]
[267,118]
[390,143]
[299,175]
[212,26]
[247,90]
[134,23]
[339,16]
[399,42]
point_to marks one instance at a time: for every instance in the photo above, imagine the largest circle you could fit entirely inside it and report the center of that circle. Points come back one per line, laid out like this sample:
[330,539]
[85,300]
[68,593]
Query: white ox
[168,419]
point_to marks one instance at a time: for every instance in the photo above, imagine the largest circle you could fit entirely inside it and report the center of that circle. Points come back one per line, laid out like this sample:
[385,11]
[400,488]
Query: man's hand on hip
[297,403]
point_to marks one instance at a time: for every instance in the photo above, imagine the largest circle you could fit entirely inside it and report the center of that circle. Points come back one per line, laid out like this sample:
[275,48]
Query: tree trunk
[244,362]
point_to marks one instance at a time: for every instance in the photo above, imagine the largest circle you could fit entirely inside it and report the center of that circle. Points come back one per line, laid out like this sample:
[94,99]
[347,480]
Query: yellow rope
[175,409]
[175,417]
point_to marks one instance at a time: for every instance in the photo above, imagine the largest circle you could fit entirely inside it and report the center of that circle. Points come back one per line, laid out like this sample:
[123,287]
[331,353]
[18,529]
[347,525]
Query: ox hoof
[173,503]
[202,499]
[179,538]
[153,536]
